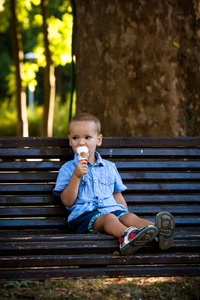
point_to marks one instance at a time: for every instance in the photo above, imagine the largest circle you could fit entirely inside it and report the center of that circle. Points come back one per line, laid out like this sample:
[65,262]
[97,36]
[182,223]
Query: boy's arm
[69,194]
[120,199]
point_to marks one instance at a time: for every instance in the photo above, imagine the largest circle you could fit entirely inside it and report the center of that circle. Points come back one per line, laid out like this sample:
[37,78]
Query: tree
[22,123]
[49,78]
[137,65]
[54,49]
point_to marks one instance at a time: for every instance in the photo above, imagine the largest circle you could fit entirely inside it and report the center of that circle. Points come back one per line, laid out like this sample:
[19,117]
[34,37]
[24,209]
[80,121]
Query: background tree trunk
[49,79]
[22,122]
[137,65]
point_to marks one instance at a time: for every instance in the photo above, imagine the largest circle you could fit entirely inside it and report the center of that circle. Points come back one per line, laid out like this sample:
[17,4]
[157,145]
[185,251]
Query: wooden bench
[160,173]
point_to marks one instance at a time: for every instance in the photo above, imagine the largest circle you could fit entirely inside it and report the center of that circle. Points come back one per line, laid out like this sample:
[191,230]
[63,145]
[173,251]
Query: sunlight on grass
[110,288]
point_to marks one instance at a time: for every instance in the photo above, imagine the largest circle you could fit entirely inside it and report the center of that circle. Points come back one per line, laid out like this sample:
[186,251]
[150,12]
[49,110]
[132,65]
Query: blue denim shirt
[97,188]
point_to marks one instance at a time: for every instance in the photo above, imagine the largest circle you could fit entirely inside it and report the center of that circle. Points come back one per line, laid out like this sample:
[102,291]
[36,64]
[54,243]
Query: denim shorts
[84,223]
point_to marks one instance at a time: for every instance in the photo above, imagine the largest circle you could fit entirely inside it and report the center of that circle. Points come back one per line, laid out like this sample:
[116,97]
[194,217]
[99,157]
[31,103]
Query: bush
[8,115]
[61,118]
[35,121]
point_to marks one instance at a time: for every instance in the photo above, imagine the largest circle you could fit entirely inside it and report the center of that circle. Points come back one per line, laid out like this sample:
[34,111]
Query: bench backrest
[160,174]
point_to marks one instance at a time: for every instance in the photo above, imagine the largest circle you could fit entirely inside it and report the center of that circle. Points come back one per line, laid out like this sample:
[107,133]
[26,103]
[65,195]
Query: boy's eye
[74,138]
[88,137]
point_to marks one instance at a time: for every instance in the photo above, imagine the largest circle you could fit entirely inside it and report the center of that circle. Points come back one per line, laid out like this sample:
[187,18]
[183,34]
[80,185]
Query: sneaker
[166,225]
[133,239]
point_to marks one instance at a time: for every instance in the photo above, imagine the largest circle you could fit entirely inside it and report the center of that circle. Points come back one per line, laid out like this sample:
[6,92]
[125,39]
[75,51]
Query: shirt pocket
[106,185]
[82,188]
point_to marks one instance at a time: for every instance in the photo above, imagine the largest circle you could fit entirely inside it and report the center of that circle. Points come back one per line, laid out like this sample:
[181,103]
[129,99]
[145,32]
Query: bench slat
[29,200]
[55,222]
[50,236]
[32,212]
[26,188]
[121,165]
[126,176]
[67,153]
[149,153]
[152,271]
[32,223]
[162,198]
[28,177]
[16,142]
[94,259]
[30,166]
[160,176]
[136,187]
[38,153]
[132,199]
[156,165]
[163,187]
[55,235]
[87,247]
[112,142]
[60,211]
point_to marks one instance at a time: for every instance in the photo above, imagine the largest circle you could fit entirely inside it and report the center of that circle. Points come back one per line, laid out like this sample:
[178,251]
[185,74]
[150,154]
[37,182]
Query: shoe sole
[166,225]
[143,238]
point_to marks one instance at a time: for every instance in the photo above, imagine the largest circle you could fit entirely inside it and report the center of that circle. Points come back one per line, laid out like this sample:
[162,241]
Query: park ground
[116,288]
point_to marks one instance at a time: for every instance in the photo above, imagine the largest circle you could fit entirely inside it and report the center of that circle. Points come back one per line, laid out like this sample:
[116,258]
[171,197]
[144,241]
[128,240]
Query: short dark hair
[86,117]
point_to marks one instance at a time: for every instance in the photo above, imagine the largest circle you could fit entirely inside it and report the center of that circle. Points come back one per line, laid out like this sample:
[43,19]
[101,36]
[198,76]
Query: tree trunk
[22,122]
[137,65]
[49,79]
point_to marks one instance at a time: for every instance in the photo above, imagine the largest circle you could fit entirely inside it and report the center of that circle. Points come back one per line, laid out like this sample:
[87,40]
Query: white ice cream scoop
[83,153]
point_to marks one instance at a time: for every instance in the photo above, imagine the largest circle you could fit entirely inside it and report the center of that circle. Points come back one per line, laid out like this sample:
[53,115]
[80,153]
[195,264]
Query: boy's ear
[100,138]
[69,140]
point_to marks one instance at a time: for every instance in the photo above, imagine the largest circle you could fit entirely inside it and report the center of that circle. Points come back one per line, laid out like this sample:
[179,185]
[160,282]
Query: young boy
[91,191]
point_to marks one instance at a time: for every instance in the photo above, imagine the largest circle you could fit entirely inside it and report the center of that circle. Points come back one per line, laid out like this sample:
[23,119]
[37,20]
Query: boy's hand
[81,168]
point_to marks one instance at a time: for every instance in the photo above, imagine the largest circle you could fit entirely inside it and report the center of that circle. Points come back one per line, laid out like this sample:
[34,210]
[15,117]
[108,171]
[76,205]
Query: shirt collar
[99,161]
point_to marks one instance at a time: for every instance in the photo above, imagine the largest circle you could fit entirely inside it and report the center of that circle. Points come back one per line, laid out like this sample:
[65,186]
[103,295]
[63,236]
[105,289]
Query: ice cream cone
[83,154]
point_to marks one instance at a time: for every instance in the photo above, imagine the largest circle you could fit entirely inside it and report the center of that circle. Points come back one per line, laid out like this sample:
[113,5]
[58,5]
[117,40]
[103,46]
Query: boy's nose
[81,142]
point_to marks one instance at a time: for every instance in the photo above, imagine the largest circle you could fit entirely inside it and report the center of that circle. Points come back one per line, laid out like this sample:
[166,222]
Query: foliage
[61,117]
[117,288]
[29,79]
[60,31]
[8,115]
[17,284]
[30,21]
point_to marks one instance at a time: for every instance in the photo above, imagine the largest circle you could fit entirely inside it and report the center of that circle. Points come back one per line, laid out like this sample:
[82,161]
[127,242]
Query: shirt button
[97,195]
[92,169]
[106,182]
[100,201]
[95,181]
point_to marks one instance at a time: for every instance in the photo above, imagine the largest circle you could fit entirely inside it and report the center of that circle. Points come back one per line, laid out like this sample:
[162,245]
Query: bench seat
[35,243]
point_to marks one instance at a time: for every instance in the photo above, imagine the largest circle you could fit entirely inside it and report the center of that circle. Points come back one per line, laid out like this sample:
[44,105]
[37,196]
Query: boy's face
[84,133]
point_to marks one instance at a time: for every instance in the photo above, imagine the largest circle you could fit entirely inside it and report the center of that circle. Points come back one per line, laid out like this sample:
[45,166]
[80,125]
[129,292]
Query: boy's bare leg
[110,224]
[131,219]
[132,240]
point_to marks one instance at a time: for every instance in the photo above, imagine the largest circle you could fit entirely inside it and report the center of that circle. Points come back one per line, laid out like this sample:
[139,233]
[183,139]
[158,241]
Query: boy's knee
[126,216]
[102,220]
[109,217]
[130,218]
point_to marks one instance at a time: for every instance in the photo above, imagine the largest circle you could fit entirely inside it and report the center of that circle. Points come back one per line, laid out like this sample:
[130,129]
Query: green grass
[123,288]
